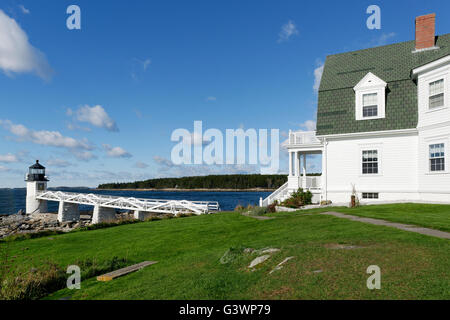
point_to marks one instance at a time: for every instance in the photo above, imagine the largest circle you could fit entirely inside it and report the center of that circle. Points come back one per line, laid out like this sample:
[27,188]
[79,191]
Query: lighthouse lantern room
[36,182]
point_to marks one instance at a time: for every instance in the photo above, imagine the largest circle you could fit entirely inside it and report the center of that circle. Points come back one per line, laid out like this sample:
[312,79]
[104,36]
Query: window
[437,157]
[370,195]
[370,162]
[436,94]
[370,98]
[370,105]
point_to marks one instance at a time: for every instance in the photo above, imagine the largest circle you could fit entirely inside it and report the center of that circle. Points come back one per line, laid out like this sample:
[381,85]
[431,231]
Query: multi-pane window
[370,195]
[437,94]
[370,105]
[370,162]
[437,157]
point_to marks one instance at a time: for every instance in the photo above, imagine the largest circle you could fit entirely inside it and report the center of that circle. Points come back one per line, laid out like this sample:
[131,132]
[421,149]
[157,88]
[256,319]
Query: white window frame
[433,77]
[431,158]
[435,140]
[362,162]
[429,93]
[367,193]
[370,84]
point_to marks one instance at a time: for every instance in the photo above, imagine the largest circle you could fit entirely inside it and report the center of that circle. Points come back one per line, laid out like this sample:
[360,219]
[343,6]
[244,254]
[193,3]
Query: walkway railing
[129,203]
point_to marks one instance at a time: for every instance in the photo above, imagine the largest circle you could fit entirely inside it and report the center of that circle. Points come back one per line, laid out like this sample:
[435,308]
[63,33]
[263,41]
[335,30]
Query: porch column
[304,165]
[304,172]
[290,163]
[324,171]
[297,163]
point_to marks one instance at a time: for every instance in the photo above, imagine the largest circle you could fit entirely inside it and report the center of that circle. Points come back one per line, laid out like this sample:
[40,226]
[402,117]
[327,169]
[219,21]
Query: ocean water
[12,200]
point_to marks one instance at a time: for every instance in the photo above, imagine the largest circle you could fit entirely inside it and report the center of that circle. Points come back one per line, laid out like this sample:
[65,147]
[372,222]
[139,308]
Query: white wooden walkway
[135,204]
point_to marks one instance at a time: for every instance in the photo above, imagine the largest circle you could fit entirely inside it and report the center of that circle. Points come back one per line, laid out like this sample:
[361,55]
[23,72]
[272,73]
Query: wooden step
[121,272]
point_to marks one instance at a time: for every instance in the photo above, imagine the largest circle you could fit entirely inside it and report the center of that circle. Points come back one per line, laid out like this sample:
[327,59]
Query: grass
[189,252]
[424,215]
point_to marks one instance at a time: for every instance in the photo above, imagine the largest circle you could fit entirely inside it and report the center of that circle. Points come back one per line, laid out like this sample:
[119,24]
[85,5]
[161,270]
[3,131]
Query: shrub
[152,218]
[50,277]
[258,211]
[239,208]
[272,207]
[298,199]
[31,235]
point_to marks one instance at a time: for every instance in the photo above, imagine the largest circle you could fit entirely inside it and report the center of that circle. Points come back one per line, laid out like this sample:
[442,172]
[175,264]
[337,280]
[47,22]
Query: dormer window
[370,98]
[436,97]
[370,105]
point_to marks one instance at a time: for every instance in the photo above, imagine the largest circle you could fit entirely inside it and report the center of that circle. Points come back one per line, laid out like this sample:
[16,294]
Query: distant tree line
[233,181]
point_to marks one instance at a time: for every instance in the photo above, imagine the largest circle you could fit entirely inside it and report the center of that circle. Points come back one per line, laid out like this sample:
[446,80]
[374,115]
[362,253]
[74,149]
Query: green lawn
[413,266]
[425,215]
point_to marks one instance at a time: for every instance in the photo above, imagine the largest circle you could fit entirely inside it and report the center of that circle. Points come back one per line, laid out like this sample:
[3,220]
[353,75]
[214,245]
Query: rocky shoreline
[37,222]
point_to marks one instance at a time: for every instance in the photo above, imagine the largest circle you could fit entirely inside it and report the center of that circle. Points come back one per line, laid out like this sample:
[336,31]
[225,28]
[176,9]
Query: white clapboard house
[383,125]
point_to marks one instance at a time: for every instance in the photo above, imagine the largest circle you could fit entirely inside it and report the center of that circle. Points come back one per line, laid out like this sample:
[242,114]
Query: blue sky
[99,104]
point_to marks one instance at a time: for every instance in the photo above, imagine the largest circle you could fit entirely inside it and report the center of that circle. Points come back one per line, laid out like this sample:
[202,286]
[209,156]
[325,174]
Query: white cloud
[17,55]
[139,67]
[141,165]
[308,125]
[44,137]
[83,155]
[24,10]
[168,168]
[116,152]
[287,31]
[96,116]
[211,98]
[146,63]
[8,158]
[60,163]
[3,169]
[383,39]
[318,76]
[163,161]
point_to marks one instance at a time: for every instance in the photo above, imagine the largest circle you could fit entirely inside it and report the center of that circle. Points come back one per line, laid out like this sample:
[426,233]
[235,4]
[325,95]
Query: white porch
[300,144]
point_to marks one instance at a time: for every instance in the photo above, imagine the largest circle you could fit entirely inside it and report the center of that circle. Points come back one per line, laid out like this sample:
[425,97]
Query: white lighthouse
[36,182]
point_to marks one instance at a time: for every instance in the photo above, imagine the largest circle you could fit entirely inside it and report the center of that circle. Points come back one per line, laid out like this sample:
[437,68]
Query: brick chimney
[425,31]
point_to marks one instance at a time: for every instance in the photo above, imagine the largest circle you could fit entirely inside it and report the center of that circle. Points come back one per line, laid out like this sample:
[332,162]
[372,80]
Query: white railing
[313,182]
[129,203]
[303,137]
[276,195]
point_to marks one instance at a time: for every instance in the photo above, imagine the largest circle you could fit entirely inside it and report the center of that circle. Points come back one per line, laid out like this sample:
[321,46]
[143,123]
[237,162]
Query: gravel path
[401,226]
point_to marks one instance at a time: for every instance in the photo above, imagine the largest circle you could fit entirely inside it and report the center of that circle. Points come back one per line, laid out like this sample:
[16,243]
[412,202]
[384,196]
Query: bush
[258,211]
[49,277]
[31,235]
[298,199]
[272,207]
[239,208]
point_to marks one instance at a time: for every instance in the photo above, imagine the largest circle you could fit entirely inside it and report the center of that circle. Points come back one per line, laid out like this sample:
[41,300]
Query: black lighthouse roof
[37,165]
[36,172]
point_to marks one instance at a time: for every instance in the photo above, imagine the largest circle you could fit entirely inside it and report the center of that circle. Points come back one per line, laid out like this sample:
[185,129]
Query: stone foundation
[142,215]
[68,212]
[103,214]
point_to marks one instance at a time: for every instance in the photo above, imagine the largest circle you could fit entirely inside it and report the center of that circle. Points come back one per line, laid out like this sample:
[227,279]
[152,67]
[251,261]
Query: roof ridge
[382,46]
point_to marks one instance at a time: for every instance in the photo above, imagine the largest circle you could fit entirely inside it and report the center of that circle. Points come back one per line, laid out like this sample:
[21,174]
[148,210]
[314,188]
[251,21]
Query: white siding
[434,127]
[436,116]
[397,178]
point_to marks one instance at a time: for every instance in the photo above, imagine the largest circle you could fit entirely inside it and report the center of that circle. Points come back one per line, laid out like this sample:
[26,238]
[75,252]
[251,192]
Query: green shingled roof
[392,63]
